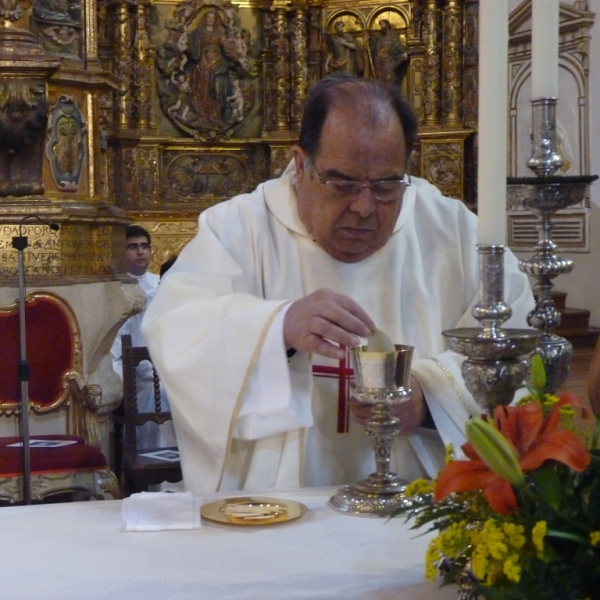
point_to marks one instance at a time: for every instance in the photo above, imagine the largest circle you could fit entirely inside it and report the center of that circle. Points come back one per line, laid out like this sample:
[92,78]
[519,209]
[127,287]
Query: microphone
[53,226]
[21,242]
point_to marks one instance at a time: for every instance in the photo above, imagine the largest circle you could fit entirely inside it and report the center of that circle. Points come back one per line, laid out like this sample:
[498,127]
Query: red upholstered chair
[54,355]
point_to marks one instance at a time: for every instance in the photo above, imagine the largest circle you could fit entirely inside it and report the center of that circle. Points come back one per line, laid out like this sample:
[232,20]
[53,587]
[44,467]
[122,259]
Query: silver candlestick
[544,195]
[382,380]
[497,360]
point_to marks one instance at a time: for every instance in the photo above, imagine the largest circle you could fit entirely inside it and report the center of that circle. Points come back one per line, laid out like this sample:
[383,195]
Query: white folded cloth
[157,511]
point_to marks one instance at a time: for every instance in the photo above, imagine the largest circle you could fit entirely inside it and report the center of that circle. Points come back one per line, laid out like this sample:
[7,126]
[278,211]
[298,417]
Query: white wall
[582,284]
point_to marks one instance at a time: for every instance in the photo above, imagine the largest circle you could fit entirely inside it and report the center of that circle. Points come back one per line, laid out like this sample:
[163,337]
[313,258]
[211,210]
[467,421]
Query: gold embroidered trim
[245,384]
[454,385]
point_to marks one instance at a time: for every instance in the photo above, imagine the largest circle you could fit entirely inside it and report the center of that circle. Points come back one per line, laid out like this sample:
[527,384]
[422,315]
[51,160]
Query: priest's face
[350,224]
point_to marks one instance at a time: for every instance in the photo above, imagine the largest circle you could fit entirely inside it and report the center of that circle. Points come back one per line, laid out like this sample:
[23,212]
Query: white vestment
[244,417]
[149,435]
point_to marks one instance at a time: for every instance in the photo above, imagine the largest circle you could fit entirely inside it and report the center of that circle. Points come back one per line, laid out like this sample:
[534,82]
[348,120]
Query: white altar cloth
[77,550]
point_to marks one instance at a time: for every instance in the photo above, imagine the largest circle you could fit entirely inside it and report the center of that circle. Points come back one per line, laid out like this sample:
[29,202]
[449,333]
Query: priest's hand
[411,413]
[312,323]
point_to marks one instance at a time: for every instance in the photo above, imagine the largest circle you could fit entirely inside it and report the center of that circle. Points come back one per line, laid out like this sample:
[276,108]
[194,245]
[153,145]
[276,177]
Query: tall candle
[544,49]
[493,121]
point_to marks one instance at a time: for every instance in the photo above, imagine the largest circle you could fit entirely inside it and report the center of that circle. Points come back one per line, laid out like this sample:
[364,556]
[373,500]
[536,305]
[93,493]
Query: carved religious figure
[211,84]
[65,147]
[22,127]
[345,54]
[205,69]
[389,56]
[58,23]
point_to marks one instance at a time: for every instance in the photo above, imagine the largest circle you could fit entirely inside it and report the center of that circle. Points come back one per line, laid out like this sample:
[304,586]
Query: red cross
[344,373]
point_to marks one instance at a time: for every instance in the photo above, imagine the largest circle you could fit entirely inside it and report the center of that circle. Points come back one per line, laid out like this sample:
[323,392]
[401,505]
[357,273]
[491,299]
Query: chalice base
[353,501]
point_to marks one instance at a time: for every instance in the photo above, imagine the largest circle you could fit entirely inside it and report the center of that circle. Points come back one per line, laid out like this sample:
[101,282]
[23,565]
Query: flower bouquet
[519,517]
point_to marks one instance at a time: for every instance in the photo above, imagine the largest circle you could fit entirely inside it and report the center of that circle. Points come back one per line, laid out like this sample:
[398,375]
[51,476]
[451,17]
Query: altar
[78,550]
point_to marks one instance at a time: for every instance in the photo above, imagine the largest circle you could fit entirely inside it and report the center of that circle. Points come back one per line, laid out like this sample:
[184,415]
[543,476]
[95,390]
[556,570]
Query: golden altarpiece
[120,110]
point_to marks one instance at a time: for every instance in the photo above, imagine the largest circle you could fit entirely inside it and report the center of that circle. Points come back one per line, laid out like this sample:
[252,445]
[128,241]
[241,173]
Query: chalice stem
[383,428]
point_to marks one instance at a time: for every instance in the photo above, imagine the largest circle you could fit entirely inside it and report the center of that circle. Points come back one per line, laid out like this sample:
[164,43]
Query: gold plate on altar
[252,510]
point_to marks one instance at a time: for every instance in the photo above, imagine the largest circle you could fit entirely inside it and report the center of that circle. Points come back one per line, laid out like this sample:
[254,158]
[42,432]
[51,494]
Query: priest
[279,281]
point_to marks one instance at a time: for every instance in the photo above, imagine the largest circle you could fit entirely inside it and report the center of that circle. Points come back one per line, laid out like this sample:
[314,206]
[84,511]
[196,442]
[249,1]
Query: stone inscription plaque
[75,251]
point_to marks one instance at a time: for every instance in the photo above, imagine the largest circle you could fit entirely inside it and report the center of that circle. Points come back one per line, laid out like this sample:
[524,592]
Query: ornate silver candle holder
[544,195]
[382,380]
[497,360]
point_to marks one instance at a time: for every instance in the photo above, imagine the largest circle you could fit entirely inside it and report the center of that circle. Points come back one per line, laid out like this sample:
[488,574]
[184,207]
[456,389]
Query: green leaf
[538,373]
[547,485]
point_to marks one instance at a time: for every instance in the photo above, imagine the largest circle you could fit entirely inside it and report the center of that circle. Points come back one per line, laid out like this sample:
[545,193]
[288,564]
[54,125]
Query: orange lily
[535,438]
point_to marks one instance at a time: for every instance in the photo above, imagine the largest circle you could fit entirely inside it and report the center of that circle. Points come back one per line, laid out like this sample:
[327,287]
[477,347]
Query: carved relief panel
[369,43]
[65,148]
[59,26]
[69,157]
[187,177]
[207,69]
[442,161]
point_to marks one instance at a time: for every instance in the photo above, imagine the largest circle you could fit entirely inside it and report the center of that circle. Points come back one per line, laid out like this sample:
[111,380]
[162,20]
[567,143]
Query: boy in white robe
[137,256]
[277,279]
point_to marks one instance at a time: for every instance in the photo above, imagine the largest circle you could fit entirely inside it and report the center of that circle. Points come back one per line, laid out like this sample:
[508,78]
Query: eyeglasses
[385,190]
[138,246]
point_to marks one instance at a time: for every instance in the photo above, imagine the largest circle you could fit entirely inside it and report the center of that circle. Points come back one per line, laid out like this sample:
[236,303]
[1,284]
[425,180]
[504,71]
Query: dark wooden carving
[24,71]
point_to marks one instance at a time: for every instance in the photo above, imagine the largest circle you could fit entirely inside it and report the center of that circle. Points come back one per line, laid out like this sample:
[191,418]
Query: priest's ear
[300,161]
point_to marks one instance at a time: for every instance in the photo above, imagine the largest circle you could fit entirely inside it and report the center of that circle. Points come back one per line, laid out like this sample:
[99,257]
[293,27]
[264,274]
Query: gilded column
[471,64]
[142,69]
[299,65]
[267,70]
[123,66]
[431,67]
[90,24]
[277,76]
[452,64]
[314,45]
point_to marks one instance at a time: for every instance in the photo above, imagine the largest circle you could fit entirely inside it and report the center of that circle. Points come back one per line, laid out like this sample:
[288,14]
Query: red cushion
[50,351]
[75,457]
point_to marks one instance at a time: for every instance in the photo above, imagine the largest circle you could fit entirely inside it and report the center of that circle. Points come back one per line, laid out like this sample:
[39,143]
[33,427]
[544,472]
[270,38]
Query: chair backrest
[54,354]
[132,356]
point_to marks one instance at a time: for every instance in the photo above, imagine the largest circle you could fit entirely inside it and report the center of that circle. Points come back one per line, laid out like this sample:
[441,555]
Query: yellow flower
[450,543]
[511,569]
[450,453]
[432,559]
[480,563]
[537,536]
[418,487]
[514,533]
[595,538]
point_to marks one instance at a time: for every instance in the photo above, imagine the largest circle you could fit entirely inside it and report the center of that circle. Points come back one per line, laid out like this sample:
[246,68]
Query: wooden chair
[139,470]
[54,355]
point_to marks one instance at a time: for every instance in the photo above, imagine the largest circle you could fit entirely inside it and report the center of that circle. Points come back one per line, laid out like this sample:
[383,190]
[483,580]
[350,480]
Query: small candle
[544,49]
[493,121]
